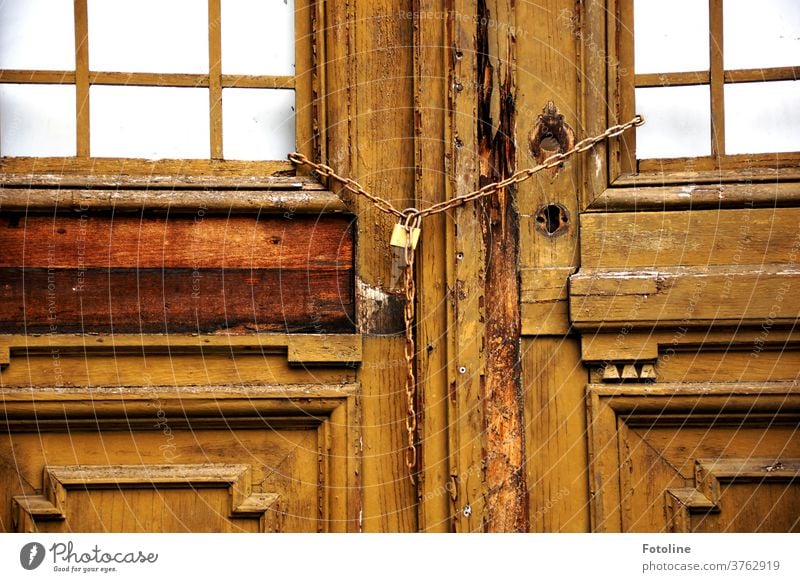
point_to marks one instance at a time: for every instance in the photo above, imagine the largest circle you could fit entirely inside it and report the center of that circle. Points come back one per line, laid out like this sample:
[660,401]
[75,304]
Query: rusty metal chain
[517,177]
[410,220]
[520,176]
[347,183]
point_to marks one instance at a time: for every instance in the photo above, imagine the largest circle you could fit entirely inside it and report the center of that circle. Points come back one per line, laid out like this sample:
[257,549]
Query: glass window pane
[257,124]
[37,120]
[666,40]
[762,117]
[761,34]
[149,122]
[258,37]
[37,34]
[678,122]
[148,36]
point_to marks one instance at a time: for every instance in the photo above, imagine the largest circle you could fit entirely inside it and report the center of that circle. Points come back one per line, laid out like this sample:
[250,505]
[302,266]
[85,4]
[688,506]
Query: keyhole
[552,219]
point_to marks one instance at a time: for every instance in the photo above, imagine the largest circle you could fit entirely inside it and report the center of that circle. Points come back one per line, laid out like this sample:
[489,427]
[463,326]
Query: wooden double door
[592,354]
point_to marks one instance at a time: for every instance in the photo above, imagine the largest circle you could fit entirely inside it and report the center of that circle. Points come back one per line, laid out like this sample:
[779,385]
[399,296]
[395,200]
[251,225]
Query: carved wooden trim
[695,197]
[300,349]
[646,347]
[705,497]
[306,197]
[58,480]
[612,408]
[332,410]
[197,407]
[681,503]
[683,296]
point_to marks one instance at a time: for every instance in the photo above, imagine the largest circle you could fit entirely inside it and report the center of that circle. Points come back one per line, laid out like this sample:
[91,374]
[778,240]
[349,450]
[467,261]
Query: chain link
[347,183]
[517,177]
[411,218]
[410,222]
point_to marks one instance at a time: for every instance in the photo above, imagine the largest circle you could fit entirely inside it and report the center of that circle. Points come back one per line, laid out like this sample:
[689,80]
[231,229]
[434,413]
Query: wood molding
[283,406]
[685,296]
[331,411]
[58,480]
[646,347]
[640,197]
[300,349]
[140,173]
[613,409]
[705,497]
[287,196]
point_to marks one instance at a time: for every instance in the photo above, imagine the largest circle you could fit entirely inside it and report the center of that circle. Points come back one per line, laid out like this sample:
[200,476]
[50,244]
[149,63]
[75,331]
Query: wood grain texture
[699,238]
[645,441]
[196,241]
[153,274]
[436,257]
[465,280]
[506,491]
[724,296]
[150,300]
[369,125]
[557,458]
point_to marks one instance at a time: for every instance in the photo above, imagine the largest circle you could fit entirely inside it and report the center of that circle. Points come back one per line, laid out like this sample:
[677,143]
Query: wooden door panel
[738,494]
[695,457]
[275,477]
[177,360]
[212,497]
[145,273]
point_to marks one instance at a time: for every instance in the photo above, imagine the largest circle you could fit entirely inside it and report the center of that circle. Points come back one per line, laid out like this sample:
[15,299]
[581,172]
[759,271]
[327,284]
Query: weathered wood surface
[366,94]
[190,241]
[643,240]
[148,274]
[506,491]
[434,266]
[648,441]
[175,300]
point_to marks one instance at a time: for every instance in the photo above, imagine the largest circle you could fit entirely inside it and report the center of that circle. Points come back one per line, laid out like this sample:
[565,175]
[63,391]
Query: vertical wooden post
[215,77]
[436,255]
[82,77]
[506,490]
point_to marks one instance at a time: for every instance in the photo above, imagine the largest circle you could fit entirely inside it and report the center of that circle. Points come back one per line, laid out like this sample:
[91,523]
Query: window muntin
[667,52]
[149,56]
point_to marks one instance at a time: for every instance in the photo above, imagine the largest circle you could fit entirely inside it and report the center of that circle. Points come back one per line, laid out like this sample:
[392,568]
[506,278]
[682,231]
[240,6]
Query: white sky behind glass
[762,117]
[678,122]
[149,122]
[258,124]
[666,40]
[37,120]
[762,33]
[258,37]
[37,34]
[148,36]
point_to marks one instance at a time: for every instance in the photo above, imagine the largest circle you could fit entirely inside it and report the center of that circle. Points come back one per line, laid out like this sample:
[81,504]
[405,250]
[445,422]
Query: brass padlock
[400,236]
